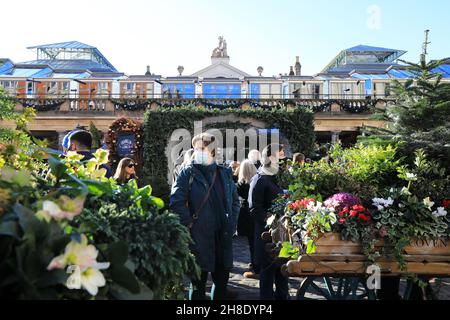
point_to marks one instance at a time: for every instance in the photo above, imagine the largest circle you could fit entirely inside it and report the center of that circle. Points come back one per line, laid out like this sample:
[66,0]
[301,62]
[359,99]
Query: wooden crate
[331,243]
[303,268]
[335,256]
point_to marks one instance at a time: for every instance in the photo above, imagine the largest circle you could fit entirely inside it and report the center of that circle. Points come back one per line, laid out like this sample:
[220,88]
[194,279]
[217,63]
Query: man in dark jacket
[81,142]
[206,199]
[263,190]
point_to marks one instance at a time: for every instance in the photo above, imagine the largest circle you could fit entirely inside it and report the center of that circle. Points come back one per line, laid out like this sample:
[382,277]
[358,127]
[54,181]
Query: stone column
[335,136]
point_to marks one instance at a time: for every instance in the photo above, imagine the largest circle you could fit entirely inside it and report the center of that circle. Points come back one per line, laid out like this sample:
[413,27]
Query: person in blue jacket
[263,190]
[205,197]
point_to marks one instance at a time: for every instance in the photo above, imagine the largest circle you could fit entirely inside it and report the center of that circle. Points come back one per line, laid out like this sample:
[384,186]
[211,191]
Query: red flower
[345,210]
[305,202]
[342,213]
[363,217]
[342,220]
[353,213]
[359,208]
[446,203]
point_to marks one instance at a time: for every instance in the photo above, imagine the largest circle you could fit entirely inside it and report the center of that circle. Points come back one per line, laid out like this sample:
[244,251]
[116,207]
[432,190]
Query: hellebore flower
[428,203]
[90,280]
[83,257]
[66,208]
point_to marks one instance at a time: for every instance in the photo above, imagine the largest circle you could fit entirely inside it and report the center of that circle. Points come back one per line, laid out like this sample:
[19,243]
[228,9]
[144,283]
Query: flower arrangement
[341,200]
[354,214]
[309,220]
[35,228]
[411,207]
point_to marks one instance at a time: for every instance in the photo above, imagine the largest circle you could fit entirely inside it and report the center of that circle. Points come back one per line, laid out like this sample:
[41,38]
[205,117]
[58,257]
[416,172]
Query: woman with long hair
[125,171]
[246,227]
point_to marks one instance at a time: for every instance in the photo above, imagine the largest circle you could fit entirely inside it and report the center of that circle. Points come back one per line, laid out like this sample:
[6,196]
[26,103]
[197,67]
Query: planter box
[332,243]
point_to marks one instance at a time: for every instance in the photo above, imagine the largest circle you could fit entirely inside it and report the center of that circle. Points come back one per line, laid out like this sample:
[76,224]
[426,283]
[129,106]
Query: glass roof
[72,50]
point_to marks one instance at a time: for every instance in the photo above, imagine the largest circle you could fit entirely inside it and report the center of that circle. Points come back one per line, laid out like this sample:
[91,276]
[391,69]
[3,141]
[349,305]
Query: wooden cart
[338,269]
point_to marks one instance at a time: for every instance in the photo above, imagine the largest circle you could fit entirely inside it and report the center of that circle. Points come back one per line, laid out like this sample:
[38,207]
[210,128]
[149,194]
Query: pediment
[220,70]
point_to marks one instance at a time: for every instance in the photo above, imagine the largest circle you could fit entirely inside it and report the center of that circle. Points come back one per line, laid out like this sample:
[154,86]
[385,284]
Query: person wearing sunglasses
[125,171]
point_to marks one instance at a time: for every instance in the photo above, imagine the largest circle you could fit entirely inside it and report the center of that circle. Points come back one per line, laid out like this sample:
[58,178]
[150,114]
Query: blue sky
[270,33]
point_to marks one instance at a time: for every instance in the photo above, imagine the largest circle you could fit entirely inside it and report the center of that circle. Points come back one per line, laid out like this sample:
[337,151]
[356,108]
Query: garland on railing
[353,107]
[141,105]
[131,105]
[317,108]
[41,105]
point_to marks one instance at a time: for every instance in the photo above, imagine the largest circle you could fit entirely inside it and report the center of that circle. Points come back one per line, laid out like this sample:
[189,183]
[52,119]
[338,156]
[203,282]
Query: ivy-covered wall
[295,124]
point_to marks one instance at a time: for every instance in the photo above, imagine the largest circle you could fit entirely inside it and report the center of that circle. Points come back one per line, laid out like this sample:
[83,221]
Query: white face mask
[203,158]
[274,162]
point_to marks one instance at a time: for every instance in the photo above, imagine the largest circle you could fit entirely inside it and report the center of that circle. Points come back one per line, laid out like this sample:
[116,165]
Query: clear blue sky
[270,33]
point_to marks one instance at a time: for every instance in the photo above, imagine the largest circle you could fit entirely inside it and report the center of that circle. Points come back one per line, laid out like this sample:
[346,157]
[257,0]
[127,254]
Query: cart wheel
[335,288]
[428,293]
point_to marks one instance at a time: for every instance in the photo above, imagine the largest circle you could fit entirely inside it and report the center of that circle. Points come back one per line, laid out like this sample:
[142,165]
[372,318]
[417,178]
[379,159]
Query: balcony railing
[332,96]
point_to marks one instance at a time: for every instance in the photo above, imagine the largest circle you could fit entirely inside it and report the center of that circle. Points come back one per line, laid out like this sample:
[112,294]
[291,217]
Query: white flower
[76,253]
[68,210]
[405,191]
[428,203]
[389,202]
[333,218]
[90,280]
[440,212]
[411,176]
[84,258]
[381,203]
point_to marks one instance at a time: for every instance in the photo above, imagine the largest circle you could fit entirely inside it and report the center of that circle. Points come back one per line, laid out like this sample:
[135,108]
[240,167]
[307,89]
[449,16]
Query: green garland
[294,123]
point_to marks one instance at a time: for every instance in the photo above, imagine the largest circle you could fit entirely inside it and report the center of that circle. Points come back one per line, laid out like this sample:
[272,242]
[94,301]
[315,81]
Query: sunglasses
[131,165]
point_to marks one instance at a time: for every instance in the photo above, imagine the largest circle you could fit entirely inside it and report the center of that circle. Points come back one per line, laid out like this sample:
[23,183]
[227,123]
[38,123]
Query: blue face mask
[202,158]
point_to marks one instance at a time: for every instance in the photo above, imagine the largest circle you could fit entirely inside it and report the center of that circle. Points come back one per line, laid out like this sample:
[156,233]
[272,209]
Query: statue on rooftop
[221,50]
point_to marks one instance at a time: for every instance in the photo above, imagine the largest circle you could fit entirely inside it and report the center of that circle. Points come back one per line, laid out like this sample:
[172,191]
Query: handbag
[195,216]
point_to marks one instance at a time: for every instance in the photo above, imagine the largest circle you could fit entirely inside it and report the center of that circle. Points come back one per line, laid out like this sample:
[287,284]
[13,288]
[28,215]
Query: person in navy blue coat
[263,190]
[205,197]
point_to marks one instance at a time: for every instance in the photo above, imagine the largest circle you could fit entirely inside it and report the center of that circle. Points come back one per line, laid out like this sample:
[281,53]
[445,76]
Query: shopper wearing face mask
[263,190]
[206,199]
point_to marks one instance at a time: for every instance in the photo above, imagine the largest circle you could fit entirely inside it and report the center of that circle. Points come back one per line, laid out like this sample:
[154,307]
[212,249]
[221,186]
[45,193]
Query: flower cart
[342,244]
[342,267]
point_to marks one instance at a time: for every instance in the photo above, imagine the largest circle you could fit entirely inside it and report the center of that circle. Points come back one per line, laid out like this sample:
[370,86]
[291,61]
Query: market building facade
[72,84]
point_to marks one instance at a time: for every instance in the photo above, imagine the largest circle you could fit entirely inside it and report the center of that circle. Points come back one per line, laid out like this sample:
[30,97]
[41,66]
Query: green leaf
[159,203]
[286,250]
[52,278]
[25,215]
[97,188]
[57,167]
[118,253]
[311,247]
[125,278]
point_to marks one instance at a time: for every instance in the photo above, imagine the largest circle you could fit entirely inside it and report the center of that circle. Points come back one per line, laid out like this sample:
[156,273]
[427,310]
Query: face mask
[274,162]
[203,158]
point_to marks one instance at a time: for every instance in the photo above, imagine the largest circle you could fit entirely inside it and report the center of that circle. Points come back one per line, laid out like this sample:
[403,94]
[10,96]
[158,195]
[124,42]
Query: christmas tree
[419,115]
